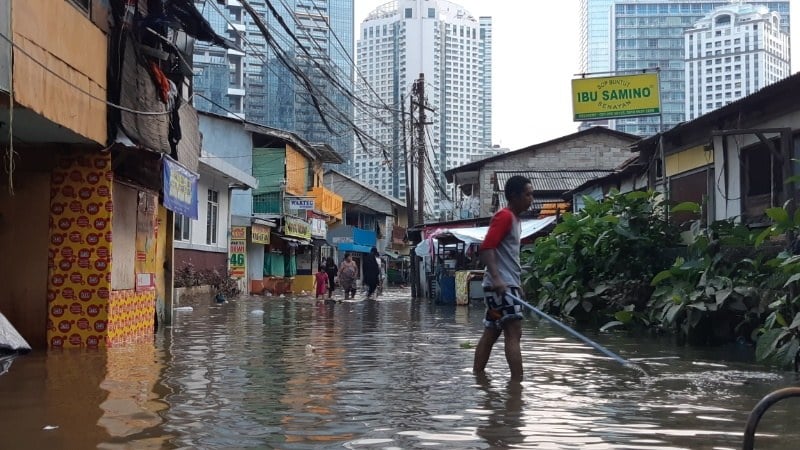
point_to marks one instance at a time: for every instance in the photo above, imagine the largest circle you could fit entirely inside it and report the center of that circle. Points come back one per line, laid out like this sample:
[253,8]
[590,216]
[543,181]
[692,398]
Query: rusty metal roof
[555,181]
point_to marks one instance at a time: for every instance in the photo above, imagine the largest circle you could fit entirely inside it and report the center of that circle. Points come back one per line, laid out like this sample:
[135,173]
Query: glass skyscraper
[318,45]
[648,34]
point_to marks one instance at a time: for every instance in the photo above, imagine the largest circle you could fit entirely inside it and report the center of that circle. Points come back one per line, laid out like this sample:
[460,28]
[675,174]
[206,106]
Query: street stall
[452,266]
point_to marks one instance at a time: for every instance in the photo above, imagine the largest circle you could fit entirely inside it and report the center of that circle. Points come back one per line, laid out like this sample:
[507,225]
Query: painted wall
[82,59]
[198,227]
[268,168]
[296,172]
[24,233]
[228,140]
[689,159]
[79,280]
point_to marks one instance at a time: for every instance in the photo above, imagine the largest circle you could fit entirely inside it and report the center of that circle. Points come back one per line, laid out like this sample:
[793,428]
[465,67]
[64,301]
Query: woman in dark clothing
[372,272]
[331,269]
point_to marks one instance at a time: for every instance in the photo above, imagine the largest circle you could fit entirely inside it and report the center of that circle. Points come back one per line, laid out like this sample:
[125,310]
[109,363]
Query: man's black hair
[515,186]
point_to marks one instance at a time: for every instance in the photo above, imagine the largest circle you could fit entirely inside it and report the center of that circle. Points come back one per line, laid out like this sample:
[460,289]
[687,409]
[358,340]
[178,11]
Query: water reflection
[393,373]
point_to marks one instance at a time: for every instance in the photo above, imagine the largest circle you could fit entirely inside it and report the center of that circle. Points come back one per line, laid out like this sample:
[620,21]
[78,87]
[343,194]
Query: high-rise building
[219,73]
[648,35]
[730,53]
[452,48]
[314,38]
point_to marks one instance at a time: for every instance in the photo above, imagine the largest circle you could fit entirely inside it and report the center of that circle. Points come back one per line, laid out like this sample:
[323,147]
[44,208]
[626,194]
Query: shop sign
[619,96]
[237,252]
[297,228]
[319,228]
[259,234]
[300,203]
[180,188]
[342,240]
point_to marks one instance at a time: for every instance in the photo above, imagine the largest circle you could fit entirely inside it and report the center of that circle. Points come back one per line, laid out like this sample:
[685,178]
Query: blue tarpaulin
[349,247]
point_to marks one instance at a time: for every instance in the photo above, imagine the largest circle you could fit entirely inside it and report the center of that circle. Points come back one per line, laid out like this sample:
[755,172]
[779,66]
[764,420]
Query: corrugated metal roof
[558,181]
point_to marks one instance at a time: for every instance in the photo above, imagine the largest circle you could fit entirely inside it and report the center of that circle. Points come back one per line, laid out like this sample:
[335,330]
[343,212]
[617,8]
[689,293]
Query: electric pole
[419,90]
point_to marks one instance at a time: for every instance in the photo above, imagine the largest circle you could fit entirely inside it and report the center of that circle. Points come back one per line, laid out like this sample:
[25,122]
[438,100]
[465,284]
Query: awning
[294,240]
[350,247]
[477,234]
[319,242]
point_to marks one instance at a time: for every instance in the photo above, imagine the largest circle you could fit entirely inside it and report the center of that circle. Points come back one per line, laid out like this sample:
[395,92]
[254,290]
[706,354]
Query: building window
[408,13]
[431,13]
[182,227]
[212,216]
[83,5]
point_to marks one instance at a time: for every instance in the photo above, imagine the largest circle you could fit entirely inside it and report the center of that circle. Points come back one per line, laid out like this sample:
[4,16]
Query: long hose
[574,333]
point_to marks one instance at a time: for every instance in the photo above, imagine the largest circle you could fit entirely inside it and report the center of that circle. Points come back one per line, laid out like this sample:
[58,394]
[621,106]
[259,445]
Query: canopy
[476,235]
[350,247]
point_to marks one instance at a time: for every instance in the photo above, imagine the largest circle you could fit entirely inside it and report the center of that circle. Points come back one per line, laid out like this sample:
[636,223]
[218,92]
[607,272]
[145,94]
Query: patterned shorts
[501,309]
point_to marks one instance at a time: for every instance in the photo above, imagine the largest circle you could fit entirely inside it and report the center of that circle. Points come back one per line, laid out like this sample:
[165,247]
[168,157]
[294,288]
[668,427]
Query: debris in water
[50,427]
[257,312]
[466,345]
[184,308]
[310,349]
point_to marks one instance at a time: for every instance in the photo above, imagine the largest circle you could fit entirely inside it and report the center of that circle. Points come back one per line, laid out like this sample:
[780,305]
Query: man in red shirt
[500,253]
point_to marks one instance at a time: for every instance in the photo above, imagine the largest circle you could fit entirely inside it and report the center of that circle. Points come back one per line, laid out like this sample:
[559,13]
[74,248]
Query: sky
[536,51]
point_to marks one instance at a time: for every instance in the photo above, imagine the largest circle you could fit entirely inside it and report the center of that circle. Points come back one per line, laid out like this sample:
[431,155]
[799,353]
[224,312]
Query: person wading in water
[500,253]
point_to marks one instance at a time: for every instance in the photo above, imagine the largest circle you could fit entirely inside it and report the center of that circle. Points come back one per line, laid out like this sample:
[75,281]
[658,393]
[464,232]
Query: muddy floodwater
[394,373]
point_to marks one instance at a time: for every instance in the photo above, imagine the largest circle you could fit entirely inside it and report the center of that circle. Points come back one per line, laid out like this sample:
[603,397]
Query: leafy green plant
[600,260]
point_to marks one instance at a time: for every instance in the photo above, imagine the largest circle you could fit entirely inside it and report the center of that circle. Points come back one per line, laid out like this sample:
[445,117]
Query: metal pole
[574,333]
[421,149]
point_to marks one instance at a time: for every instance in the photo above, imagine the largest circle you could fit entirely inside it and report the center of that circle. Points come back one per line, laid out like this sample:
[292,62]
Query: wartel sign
[301,203]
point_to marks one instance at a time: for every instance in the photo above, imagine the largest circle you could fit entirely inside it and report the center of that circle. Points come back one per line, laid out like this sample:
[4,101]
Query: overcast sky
[535,51]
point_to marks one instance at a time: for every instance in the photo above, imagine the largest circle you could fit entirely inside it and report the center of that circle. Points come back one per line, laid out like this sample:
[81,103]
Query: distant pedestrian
[331,270]
[322,281]
[500,253]
[348,272]
[372,272]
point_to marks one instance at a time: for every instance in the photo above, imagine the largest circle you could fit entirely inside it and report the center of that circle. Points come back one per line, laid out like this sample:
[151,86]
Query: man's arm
[489,258]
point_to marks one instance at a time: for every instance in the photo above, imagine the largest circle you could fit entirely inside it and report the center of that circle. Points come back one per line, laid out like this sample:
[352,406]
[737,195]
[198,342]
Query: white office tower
[731,53]
[397,42]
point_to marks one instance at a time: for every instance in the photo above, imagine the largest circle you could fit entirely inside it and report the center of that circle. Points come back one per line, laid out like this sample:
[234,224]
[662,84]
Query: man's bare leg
[484,349]
[512,334]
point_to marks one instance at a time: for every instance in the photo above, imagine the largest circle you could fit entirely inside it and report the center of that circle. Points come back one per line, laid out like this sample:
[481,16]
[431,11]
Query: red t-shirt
[499,227]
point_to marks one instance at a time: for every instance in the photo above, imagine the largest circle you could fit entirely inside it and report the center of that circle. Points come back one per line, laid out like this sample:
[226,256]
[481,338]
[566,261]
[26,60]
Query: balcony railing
[327,202]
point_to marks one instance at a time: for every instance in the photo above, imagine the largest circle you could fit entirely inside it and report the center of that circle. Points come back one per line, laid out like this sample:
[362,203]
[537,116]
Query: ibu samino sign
[614,97]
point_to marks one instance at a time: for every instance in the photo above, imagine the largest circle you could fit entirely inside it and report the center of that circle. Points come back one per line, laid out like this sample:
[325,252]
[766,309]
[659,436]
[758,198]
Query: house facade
[291,194]
[736,161]
[554,166]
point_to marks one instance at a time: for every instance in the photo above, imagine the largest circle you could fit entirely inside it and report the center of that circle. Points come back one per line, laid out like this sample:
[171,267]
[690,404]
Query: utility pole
[419,90]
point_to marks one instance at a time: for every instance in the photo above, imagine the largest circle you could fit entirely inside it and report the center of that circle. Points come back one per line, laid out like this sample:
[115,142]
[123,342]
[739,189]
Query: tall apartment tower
[318,43]
[219,83]
[453,49]
[730,53]
[649,34]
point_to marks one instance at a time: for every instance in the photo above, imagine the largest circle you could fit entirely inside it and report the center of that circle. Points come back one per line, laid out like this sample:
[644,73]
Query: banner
[237,252]
[613,97]
[259,234]
[180,188]
[146,225]
[297,228]
[301,203]
[319,228]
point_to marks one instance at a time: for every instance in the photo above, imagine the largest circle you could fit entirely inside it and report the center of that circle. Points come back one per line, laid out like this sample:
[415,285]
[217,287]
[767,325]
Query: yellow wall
[56,34]
[303,283]
[296,171]
[688,159]
[79,284]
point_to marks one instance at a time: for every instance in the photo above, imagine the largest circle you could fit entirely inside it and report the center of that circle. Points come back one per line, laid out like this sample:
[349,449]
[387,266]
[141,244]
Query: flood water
[389,374]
